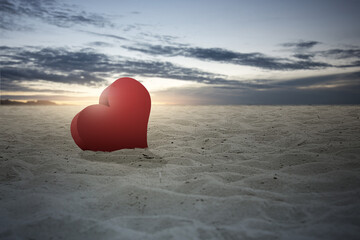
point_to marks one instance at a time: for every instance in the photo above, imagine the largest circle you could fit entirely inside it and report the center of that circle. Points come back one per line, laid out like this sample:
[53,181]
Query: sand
[210,172]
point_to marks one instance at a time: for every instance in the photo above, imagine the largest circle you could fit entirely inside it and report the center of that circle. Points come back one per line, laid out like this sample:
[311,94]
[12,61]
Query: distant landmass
[37,102]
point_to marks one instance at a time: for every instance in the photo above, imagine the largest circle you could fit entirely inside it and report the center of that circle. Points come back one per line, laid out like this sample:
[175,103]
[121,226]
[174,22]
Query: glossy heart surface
[119,121]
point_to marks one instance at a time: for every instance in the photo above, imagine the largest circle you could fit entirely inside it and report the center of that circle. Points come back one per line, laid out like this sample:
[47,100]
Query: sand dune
[210,172]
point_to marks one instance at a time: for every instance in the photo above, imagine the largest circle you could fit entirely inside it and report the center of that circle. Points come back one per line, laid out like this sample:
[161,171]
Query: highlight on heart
[119,121]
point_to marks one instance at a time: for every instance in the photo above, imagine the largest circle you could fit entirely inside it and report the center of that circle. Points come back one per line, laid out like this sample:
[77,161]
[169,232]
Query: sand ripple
[210,172]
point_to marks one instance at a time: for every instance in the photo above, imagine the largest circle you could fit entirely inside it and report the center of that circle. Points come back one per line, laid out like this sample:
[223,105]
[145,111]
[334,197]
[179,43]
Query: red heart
[119,120]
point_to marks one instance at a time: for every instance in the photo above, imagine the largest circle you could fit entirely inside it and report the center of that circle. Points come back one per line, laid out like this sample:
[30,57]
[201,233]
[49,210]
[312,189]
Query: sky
[183,52]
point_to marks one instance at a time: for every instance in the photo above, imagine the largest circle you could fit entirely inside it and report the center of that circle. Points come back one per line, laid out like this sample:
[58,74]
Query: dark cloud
[293,92]
[226,56]
[302,51]
[347,79]
[304,60]
[49,11]
[304,56]
[342,80]
[63,60]
[303,45]
[17,74]
[106,35]
[7,17]
[356,63]
[86,66]
[341,53]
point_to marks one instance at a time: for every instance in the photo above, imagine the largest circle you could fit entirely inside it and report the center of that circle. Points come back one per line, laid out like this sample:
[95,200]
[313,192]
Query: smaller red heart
[119,120]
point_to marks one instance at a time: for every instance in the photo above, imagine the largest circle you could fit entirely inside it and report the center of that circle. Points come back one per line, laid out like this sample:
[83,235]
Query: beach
[210,172]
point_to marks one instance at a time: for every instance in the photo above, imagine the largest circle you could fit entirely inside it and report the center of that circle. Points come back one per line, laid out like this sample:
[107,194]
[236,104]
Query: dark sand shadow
[130,157]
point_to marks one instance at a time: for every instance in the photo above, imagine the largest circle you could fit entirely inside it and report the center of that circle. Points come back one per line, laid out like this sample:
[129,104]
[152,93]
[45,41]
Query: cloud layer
[255,59]
[301,45]
[49,11]
[302,61]
[86,66]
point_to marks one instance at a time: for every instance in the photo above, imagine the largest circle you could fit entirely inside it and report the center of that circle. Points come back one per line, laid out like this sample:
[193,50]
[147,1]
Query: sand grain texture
[210,172]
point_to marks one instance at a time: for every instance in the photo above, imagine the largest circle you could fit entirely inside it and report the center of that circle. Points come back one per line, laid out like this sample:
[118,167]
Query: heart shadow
[130,157]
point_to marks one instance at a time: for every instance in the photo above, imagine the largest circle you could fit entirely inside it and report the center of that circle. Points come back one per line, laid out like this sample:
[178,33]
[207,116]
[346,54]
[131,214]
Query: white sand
[238,172]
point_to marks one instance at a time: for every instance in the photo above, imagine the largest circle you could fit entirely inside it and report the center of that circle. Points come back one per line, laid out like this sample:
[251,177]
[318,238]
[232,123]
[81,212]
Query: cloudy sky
[184,52]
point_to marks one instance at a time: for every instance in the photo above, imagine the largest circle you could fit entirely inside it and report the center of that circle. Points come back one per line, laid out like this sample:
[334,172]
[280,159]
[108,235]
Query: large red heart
[119,120]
